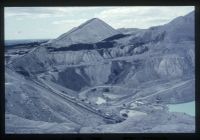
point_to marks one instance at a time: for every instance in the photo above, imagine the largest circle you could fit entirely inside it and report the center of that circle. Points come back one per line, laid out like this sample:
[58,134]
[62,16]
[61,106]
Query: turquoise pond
[188,108]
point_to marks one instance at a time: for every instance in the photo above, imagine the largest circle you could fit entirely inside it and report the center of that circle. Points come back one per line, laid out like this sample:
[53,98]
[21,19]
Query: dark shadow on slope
[117,71]
[118,36]
[70,79]
[81,46]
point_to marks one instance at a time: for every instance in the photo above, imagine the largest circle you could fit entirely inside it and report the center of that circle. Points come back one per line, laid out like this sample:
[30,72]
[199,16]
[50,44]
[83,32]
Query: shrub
[124,115]
[93,89]
[106,90]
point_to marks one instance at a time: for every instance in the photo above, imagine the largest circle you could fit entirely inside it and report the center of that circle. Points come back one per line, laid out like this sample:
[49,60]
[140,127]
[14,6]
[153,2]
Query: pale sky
[50,22]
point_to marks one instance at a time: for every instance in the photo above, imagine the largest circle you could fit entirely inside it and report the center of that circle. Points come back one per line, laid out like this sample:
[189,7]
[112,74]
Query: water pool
[188,108]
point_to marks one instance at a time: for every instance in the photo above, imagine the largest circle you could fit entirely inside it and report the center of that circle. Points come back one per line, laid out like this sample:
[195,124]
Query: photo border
[109,136]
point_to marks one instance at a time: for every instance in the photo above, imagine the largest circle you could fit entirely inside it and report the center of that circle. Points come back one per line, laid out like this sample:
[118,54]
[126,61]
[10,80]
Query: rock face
[95,61]
[91,31]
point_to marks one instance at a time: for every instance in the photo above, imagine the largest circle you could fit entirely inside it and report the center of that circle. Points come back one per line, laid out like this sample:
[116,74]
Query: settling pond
[188,108]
